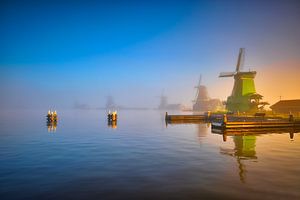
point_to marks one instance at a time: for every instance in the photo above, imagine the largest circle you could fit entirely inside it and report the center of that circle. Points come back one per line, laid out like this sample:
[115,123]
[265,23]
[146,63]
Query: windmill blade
[240,61]
[200,80]
[198,87]
[226,74]
[196,96]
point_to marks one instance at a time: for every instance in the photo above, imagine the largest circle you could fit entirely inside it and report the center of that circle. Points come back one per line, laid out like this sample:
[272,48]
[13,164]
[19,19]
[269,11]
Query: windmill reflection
[202,130]
[244,150]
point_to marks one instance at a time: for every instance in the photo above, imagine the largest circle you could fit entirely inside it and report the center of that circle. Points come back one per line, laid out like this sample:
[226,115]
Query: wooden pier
[185,118]
[255,123]
[206,117]
[235,122]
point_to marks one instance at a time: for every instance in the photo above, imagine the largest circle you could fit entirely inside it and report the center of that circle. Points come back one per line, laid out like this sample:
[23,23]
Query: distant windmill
[163,101]
[197,87]
[201,101]
[110,103]
[243,97]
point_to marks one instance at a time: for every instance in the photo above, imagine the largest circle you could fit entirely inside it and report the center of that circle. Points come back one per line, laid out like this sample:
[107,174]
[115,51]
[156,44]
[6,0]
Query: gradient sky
[55,53]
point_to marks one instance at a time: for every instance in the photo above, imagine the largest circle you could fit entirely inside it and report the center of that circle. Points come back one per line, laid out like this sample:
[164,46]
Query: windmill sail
[239,65]
[240,60]
[226,74]
[197,87]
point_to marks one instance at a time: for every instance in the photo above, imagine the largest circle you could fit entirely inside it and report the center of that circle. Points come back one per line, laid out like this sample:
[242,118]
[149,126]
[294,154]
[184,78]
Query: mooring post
[113,116]
[291,118]
[55,116]
[49,116]
[166,116]
[116,116]
[224,120]
[109,116]
[208,115]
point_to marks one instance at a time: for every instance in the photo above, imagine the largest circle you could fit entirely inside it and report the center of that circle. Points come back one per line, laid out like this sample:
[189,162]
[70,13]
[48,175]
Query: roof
[286,103]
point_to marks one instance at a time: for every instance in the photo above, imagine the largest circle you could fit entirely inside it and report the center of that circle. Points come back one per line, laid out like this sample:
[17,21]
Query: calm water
[140,159]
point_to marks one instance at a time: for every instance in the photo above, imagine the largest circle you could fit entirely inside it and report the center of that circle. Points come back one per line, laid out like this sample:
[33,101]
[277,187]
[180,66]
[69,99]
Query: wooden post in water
[224,120]
[291,117]
[208,115]
[112,116]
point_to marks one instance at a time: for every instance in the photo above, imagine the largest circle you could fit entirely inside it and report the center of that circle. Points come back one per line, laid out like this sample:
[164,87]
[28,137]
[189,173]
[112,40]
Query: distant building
[287,106]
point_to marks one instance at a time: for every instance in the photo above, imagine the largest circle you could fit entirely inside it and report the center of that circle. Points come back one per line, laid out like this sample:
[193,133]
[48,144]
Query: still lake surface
[141,158]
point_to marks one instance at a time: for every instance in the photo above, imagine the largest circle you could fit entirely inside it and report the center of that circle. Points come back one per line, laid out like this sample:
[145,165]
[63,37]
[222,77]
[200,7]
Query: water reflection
[51,126]
[245,143]
[291,135]
[235,132]
[202,130]
[244,149]
[112,124]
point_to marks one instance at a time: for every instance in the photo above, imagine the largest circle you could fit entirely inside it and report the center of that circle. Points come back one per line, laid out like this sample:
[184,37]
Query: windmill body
[243,97]
[164,105]
[202,102]
[202,99]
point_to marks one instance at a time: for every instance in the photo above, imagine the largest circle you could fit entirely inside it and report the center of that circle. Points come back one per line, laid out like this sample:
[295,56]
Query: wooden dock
[206,117]
[255,123]
[227,122]
[185,118]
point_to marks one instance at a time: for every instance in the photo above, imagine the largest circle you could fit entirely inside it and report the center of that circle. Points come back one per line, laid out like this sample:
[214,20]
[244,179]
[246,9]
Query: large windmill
[243,97]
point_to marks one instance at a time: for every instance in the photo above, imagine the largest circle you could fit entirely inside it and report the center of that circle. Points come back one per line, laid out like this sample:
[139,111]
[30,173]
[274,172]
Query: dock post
[55,118]
[291,118]
[115,116]
[109,116]
[166,116]
[208,115]
[224,120]
[49,116]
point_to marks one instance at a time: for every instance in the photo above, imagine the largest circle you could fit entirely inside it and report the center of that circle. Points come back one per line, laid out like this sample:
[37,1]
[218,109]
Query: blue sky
[54,53]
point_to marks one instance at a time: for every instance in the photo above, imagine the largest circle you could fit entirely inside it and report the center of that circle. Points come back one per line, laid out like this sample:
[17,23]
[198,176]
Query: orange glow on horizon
[279,80]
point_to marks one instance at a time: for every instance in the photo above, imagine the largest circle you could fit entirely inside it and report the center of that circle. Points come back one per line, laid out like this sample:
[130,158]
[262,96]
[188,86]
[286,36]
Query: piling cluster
[112,119]
[52,121]
[52,116]
[112,116]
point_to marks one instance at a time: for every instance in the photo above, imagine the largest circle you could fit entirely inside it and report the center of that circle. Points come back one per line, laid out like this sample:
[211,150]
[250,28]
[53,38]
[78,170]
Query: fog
[75,55]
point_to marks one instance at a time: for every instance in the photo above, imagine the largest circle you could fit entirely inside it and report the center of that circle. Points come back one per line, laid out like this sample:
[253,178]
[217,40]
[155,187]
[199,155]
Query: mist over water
[140,157]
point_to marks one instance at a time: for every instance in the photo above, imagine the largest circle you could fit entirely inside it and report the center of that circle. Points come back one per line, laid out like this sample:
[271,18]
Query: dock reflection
[202,130]
[245,143]
[235,132]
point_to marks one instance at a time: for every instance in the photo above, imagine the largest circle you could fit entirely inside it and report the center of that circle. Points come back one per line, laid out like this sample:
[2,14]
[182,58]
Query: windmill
[163,101]
[201,101]
[110,103]
[243,97]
